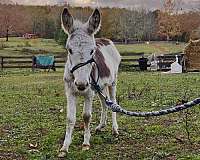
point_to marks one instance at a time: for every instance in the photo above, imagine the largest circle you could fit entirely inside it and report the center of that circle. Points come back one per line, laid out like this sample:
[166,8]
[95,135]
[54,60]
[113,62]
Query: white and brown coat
[82,46]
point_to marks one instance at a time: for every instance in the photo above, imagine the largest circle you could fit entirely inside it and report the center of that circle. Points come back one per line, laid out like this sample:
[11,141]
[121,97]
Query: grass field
[153,47]
[33,111]
[32,124]
[20,46]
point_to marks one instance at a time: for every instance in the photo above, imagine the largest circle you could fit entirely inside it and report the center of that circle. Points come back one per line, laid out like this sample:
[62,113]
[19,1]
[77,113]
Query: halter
[82,64]
[93,83]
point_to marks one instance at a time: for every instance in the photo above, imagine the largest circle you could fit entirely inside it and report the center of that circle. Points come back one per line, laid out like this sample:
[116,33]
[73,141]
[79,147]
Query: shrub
[60,37]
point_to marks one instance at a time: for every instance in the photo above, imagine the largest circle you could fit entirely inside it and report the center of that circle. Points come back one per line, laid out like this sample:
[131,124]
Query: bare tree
[13,20]
[149,25]
[6,23]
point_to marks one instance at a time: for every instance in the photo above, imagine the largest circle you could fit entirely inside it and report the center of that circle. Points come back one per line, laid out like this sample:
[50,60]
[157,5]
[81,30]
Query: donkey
[82,47]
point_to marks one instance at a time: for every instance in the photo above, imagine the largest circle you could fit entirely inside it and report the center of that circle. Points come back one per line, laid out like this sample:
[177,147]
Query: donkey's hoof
[115,132]
[99,128]
[62,154]
[85,147]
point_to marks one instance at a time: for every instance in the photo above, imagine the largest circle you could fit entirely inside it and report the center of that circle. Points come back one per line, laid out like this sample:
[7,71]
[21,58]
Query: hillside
[6,2]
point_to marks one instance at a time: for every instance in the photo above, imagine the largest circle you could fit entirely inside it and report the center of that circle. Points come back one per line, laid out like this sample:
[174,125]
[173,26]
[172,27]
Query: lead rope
[117,108]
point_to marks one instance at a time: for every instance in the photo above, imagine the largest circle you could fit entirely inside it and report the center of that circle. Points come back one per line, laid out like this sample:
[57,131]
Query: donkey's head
[80,45]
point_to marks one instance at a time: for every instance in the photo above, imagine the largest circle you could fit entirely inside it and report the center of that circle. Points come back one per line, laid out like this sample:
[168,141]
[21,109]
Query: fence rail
[27,61]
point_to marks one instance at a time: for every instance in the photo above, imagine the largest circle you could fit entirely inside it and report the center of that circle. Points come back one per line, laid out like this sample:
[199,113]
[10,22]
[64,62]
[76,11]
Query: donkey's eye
[91,52]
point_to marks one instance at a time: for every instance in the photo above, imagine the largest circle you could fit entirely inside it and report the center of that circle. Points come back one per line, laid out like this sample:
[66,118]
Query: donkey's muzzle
[81,86]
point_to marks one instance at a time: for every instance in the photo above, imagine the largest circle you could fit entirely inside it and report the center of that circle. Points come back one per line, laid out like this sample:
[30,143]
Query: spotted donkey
[82,46]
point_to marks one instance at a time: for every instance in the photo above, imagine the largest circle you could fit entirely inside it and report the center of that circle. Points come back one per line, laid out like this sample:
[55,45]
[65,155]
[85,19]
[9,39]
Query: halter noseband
[93,83]
[81,65]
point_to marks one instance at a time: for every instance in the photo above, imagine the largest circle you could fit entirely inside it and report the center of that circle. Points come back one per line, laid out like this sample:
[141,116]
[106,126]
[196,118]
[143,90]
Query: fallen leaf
[33,146]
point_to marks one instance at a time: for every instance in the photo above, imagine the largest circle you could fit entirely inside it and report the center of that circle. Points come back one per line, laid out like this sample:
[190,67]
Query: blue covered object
[45,60]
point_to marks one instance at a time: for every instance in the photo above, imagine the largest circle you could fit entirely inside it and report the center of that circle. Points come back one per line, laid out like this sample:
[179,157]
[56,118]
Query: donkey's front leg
[87,114]
[71,120]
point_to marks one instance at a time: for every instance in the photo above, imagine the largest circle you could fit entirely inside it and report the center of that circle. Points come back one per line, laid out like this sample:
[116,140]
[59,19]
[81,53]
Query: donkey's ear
[94,22]
[67,21]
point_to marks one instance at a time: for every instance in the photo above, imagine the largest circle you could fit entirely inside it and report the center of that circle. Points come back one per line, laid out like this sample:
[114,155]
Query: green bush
[60,37]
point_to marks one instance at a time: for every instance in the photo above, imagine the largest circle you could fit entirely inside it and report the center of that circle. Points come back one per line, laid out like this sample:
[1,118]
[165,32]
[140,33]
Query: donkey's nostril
[81,87]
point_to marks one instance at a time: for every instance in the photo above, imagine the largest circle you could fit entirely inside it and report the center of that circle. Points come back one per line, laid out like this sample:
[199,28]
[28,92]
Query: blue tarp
[45,60]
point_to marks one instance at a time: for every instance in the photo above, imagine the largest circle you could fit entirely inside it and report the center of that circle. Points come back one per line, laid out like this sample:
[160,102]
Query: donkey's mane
[83,26]
[79,25]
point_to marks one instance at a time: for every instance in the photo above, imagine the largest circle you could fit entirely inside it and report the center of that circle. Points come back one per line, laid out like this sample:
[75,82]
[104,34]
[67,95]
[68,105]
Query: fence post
[2,63]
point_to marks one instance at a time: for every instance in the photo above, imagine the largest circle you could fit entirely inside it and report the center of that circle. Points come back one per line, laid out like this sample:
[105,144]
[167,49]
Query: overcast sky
[148,4]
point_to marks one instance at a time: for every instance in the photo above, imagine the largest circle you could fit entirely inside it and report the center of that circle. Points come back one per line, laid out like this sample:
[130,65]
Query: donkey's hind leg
[112,92]
[103,112]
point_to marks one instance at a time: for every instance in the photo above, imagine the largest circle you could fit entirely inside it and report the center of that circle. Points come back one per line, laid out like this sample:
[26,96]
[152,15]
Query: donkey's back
[107,52]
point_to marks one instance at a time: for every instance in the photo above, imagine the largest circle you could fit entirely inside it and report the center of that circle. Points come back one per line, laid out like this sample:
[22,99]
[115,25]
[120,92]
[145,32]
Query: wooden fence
[130,60]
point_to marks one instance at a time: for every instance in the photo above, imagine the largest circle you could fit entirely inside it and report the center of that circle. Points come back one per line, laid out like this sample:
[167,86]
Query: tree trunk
[7,35]
[167,38]
[125,41]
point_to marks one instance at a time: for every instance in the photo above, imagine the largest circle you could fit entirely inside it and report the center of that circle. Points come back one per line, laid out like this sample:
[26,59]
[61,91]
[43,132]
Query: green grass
[153,47]
[30,114]
[31,104]
[20,46]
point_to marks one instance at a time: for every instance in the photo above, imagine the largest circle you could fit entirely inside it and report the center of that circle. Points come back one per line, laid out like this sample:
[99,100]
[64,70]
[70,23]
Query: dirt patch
[6,129]
[11,156]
